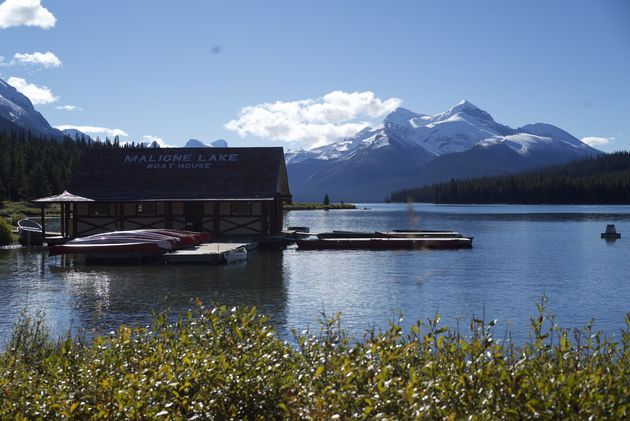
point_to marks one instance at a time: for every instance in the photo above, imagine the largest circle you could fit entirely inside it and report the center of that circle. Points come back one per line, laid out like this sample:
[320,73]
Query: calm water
[520,252]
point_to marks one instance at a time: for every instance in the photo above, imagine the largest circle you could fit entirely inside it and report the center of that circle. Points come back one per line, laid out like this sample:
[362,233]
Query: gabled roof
[63,198]
[180,174]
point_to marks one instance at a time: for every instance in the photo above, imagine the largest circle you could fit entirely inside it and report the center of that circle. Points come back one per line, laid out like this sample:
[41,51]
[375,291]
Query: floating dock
[208,253]
[385,243]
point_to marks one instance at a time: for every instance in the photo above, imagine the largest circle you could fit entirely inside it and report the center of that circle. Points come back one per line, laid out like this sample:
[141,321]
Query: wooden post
[74,220]
[216,217]
[121,207]
[43,220]
[62,220]
[66,219]
[264,208]
[169,215]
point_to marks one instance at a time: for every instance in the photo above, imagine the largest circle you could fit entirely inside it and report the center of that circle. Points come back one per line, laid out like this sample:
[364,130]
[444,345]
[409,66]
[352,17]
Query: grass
[220,363]
[317,206]
[14,211]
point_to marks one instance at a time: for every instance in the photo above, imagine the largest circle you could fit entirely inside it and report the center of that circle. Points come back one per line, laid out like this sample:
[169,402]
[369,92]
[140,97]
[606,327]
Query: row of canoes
[130,244]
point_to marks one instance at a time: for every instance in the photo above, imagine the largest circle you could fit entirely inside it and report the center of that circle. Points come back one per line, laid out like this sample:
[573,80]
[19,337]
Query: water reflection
[100,298]
[519,253]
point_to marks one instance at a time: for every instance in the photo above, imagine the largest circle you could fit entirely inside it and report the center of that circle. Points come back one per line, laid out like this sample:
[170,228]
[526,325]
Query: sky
[302,74]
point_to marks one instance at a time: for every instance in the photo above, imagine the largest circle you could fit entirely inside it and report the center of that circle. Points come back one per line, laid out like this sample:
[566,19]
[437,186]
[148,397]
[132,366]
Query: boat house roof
[154,174]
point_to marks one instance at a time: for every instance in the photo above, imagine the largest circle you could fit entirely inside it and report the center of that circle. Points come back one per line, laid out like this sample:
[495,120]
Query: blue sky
[180,70]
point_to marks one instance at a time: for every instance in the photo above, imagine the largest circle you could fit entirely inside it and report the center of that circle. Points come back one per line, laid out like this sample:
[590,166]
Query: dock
[208,253]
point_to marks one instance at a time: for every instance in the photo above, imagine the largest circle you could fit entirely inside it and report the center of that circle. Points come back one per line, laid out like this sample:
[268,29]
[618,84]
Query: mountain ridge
[464,141]
[17,109]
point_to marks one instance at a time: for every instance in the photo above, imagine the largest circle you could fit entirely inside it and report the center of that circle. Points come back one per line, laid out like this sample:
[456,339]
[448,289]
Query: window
[241,208]
[98,209]
[146,208]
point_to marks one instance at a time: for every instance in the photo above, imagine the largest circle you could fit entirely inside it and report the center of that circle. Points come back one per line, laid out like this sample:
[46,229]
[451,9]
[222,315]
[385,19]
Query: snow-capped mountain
[17,109]
[410,149]
[76,134]
[194,143]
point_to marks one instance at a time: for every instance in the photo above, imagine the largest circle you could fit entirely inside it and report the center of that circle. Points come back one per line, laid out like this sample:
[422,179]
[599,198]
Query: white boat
[237,255]
[30,233]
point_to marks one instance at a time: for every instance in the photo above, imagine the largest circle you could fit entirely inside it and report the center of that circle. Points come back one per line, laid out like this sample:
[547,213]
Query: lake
[519,253]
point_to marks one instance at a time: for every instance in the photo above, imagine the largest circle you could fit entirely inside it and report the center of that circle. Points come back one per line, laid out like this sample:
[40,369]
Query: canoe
[115,250]
[129,244]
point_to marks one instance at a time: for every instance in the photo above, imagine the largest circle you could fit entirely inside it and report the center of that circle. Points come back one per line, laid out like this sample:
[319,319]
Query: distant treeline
[601,180]
[32,166]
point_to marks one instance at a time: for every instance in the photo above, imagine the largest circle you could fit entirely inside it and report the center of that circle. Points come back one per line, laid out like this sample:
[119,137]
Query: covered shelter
[225,191]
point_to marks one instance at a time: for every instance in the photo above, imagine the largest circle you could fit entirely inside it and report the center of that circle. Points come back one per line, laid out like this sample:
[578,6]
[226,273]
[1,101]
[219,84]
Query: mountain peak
[18,109]
[466,108]
[401,116]
[194,143]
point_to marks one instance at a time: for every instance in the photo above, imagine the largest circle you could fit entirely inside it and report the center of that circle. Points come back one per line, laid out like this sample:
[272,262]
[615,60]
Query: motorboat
[237,255]
[31,233]
[294,233]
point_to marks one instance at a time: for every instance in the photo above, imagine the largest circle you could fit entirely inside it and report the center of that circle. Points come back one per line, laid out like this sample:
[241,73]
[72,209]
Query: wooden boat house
[225,191]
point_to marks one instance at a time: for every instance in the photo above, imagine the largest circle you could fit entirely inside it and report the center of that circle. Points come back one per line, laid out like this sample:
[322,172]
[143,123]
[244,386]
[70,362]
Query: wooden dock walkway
[209,253]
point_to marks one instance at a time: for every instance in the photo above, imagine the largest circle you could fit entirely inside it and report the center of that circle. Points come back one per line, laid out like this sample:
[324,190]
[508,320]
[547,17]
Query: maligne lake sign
[179,160]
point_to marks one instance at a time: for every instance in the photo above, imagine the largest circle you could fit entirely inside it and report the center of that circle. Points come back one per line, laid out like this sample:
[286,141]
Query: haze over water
[519,253]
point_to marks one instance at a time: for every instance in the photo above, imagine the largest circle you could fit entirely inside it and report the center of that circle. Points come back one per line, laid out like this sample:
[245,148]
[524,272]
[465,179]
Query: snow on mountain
[456,130]
[76,134]
[366,139]
[219,143]
[194,143]
[18,109]
[410,149]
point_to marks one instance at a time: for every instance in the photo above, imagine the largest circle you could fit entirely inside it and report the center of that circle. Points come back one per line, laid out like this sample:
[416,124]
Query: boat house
[225,191]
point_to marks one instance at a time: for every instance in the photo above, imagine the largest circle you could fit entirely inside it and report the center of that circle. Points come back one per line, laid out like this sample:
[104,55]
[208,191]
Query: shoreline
[317,206]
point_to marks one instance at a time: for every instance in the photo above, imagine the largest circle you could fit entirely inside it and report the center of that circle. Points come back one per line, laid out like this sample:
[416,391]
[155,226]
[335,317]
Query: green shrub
[6,237]
[220,363]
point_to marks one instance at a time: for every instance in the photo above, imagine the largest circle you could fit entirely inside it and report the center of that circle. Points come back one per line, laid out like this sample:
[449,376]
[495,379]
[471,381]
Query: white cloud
[46,59]
[69,108]
[25,12]
[316,121]
[597,141]
[38,94]
[94,130]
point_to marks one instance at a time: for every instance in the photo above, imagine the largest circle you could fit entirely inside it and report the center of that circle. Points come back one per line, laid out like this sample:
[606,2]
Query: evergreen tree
[326,200]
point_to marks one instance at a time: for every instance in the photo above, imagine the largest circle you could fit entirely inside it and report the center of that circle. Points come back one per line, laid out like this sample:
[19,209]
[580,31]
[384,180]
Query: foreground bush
[6,237]
[221,363]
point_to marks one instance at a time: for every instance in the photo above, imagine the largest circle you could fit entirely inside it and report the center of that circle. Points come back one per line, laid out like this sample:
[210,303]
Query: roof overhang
[65,197]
